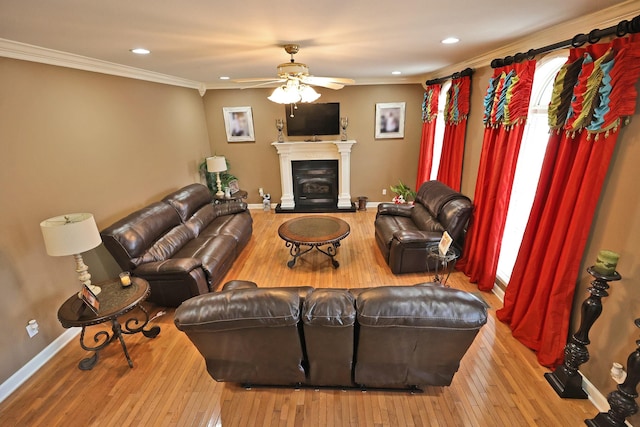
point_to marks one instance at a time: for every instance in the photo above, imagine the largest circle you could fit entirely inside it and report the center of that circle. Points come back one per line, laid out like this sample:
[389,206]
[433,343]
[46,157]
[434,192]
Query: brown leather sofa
[385,337]
[182,245]
[404,233]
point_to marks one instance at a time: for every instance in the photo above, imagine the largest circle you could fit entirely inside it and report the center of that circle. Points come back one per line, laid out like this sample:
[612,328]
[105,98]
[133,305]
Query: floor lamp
[72,234]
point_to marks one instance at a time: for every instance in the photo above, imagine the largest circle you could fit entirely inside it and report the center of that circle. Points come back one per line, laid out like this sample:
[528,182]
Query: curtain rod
[620,30]
[465,72]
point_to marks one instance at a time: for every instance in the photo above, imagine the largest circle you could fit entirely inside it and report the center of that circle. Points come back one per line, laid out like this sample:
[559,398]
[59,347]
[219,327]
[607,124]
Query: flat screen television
[313,119]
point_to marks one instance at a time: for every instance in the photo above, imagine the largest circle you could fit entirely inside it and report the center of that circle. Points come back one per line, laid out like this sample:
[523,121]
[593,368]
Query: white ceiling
[201,40]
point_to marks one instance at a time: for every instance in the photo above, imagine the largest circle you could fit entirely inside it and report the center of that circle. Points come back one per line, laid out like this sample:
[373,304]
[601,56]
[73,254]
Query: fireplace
[315,184]
[339,152]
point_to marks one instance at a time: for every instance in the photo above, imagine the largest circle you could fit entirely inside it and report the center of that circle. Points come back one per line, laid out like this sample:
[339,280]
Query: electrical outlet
[384,191]
[32,328]
[261,192]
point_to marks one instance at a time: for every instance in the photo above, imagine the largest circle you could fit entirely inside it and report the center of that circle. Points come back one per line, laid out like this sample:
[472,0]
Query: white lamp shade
[70,234]
[308,94]
[216,164]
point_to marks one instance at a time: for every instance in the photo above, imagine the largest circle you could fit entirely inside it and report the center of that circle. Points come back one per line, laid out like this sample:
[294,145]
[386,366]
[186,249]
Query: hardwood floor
[499,382]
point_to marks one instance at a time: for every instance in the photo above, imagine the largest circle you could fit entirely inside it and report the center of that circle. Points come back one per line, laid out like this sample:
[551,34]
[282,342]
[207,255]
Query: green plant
[210,177]
[403,190]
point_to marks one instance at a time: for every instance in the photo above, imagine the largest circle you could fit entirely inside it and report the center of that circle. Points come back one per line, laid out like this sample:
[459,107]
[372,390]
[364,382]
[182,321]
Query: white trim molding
[24,373]
[27,52]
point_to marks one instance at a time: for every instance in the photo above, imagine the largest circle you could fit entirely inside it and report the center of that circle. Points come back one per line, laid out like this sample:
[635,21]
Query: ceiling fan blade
[327,82]
[258,82]
[321,83]
[257,79]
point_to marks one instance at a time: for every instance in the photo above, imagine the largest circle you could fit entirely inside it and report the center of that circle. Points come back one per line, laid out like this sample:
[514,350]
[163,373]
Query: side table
[447,261]
[237,196]
[115,300]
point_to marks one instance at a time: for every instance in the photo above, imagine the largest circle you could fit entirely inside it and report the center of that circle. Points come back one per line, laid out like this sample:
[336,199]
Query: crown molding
[27,52]
[565,31]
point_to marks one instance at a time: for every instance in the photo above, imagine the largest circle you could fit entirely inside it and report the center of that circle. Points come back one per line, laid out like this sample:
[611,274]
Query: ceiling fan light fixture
[308,94]
[285,95]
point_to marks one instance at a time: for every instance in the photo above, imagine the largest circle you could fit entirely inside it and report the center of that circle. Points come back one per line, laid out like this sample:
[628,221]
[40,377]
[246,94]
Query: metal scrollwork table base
[115,301]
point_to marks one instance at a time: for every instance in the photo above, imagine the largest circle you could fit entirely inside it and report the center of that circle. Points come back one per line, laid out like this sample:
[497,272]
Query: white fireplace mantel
[319,150]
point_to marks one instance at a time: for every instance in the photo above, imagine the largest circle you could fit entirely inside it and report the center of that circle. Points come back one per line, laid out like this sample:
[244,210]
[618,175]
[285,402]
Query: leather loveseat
[405,233]
[182,245]
[385,337]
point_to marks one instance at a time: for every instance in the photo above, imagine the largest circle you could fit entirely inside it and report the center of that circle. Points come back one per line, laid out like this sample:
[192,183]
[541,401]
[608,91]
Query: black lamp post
[566,380]
[623,400]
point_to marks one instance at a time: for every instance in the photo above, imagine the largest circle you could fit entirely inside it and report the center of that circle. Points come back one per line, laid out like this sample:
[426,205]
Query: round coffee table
[313,231]
[115,301]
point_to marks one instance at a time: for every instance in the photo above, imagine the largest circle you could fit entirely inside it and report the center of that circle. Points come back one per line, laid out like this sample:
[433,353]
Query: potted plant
[404,194]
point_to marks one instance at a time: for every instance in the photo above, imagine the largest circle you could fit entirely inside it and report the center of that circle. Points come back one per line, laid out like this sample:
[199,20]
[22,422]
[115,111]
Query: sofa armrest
[417,236]
[394,209]
[169,266]
[229,208]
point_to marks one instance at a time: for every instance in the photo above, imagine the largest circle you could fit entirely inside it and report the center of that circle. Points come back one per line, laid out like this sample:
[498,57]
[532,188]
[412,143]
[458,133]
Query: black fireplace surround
[315,185]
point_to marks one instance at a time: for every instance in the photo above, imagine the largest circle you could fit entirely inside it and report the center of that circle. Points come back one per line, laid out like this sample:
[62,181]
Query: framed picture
[234,187]
[390,120]
[238,122]
[90,299]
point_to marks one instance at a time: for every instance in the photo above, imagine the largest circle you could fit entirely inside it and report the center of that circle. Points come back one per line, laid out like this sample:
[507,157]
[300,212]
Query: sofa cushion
[201,219]
[167,245]
[130,237]
[329,307]
[434,195]
[424,221]
[247,335]
[215,253]
[189,199]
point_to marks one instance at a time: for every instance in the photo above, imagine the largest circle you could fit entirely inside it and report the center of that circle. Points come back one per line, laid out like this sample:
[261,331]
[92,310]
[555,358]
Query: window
[532,151]
[439,134]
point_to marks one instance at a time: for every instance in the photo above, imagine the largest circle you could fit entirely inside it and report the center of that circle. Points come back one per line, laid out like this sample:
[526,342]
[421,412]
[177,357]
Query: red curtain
[455,116]
[506,106]
[593,93]
[429,114]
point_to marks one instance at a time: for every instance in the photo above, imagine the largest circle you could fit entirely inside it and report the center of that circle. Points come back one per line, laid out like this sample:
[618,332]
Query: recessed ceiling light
[224,77]
[450,40]
[396,73]
[140,51]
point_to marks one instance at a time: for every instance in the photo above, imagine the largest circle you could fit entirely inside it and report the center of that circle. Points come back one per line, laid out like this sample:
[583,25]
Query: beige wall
[375,163]
[78,141]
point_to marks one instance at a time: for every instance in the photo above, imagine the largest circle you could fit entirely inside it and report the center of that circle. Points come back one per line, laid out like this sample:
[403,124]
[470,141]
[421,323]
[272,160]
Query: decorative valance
[430,103]
[587,91]
[456,107]
[507,100]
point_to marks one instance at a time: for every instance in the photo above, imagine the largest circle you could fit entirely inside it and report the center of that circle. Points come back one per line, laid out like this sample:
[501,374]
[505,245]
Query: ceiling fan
[296,81]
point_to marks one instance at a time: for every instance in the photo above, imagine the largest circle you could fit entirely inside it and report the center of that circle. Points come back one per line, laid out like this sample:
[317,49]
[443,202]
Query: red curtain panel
[429,114]
[506,105]
[455,116]
[594,93]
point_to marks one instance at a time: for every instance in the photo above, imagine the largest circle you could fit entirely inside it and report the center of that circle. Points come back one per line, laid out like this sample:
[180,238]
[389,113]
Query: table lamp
[217,164]
[72,234]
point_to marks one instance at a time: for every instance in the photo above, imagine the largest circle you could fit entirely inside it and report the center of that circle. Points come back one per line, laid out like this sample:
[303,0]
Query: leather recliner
[182,245]
[385,337]
[405,233]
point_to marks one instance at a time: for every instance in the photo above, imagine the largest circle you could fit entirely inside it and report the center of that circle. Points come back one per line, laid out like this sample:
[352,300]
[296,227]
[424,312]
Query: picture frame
[233,185]
[238,123]
[90,299]
[390,120]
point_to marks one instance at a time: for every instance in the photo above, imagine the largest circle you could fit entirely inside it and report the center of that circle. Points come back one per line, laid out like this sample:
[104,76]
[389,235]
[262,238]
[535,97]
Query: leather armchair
[404,232]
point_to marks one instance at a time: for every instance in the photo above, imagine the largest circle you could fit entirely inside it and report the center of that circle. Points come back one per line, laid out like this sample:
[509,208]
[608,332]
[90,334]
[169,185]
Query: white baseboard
[24,373]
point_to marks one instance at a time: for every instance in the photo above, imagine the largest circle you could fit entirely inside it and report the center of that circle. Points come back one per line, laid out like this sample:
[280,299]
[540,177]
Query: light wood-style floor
[499,382]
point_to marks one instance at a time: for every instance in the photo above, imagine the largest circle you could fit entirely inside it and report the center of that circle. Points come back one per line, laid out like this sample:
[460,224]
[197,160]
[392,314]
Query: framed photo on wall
[238,122]
[390,120]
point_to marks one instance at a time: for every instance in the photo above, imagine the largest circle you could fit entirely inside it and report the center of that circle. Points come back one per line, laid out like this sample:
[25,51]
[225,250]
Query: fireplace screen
[315,184]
